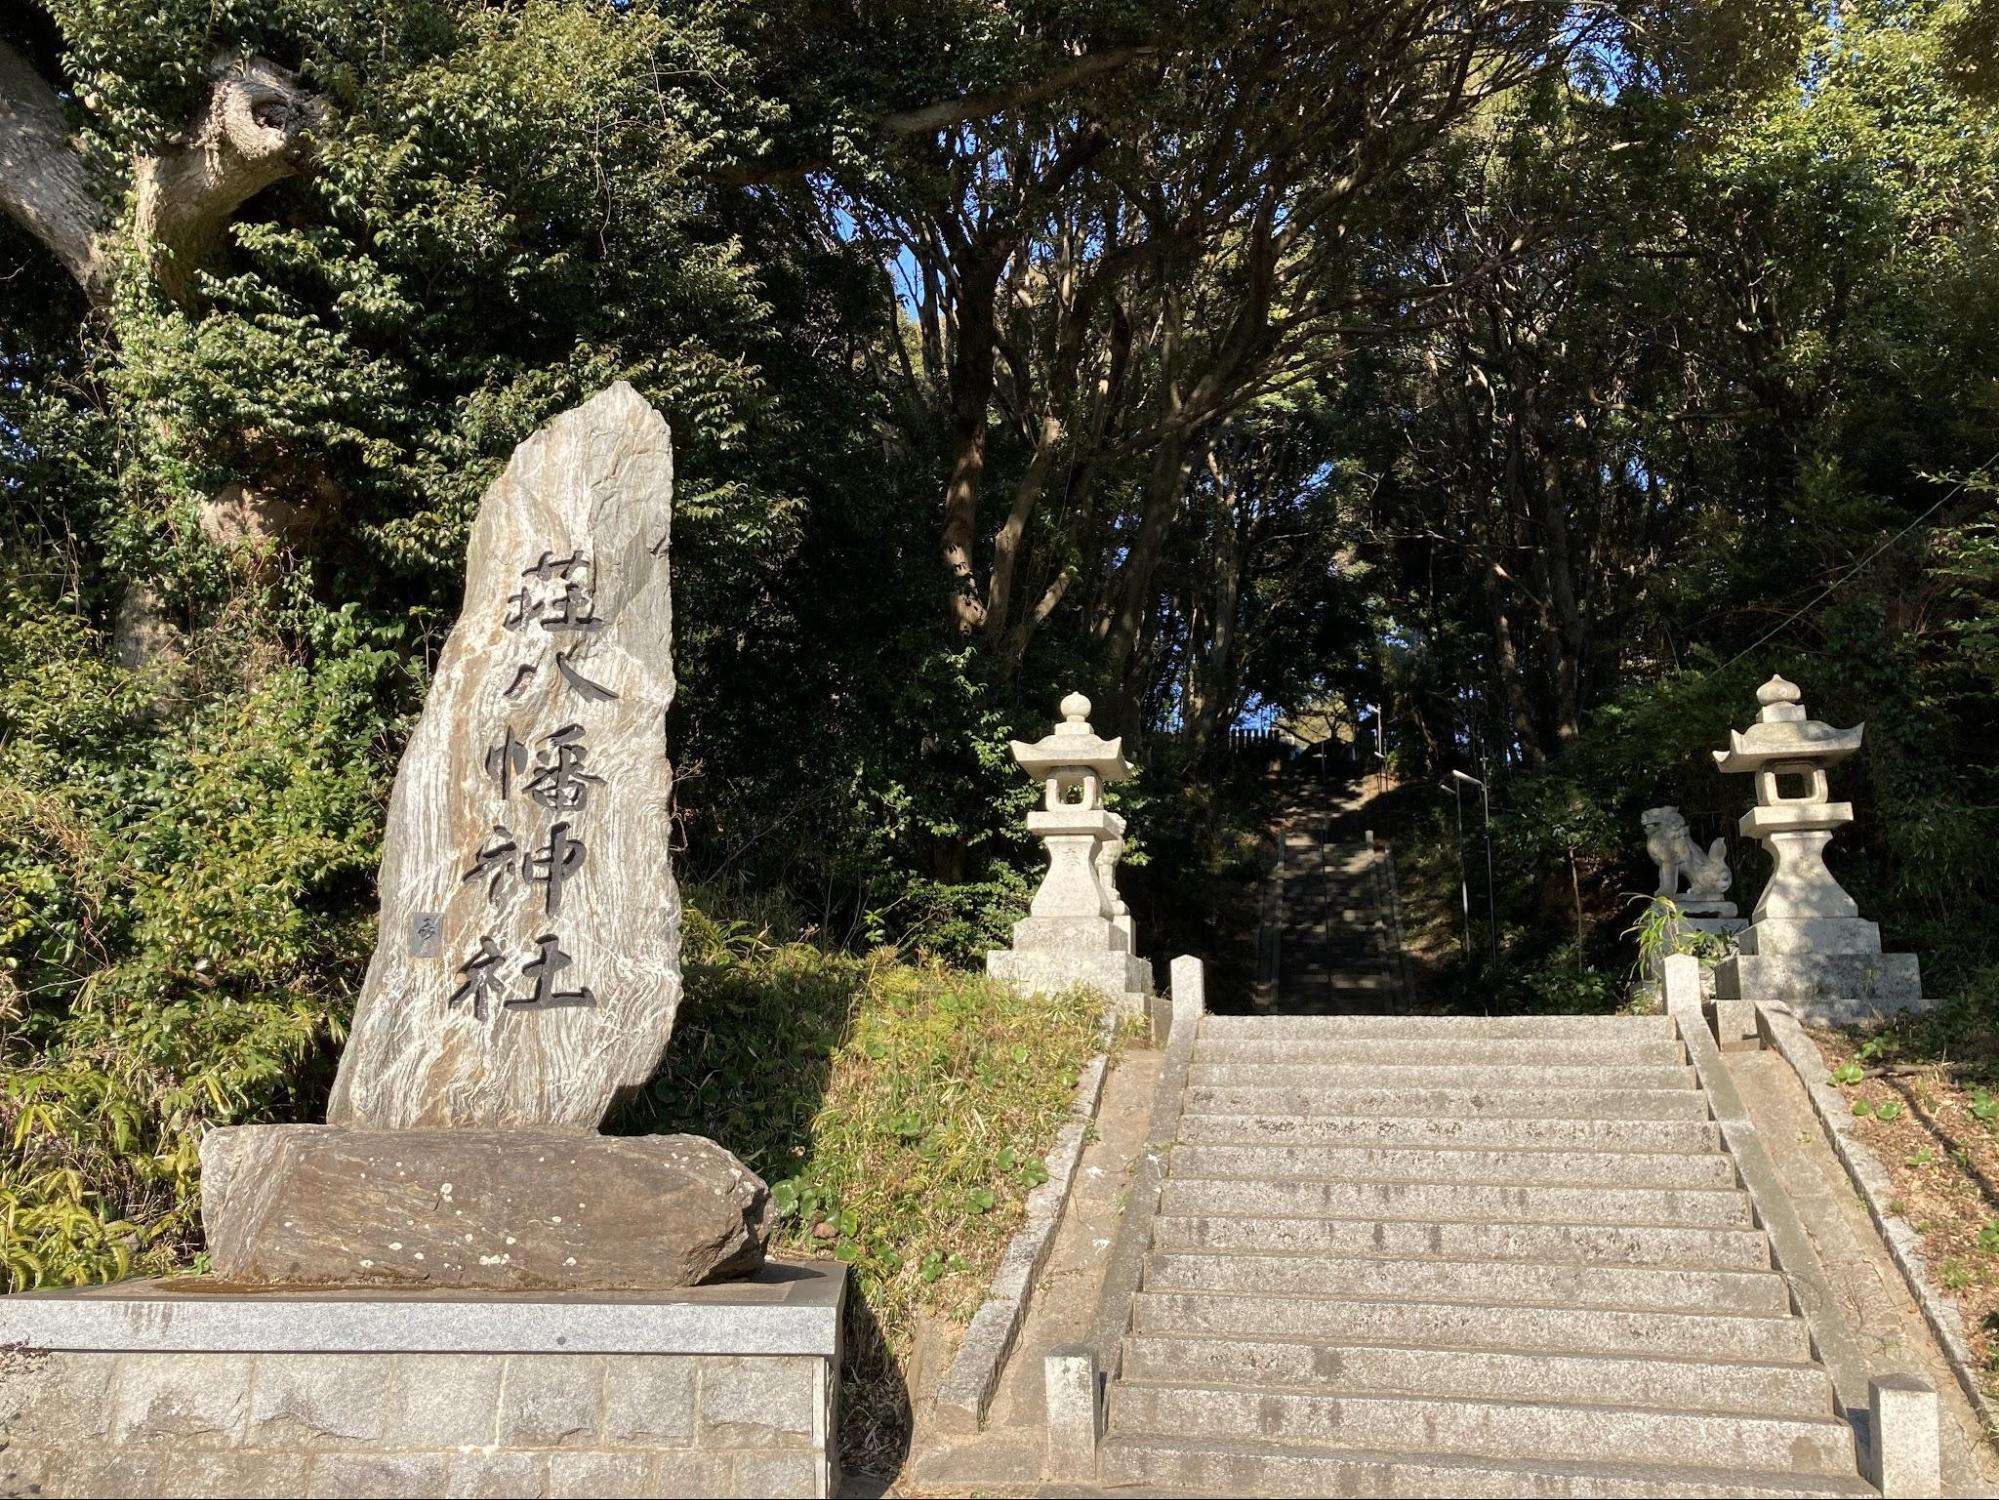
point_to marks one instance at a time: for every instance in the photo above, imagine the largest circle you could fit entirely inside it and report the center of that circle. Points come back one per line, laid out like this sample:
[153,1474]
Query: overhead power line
[1826,593]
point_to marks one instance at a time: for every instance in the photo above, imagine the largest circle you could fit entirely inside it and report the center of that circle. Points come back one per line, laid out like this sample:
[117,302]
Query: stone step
[1470,1165]
[1607,1244]
[1304,1028]
[1567,1284]
[1447,1075]
[1345,977]
[1474,1101]
[1476,1325]
[1454,1201]
[1547,1429]
[1187,1466]
[1530,1132]
[1801,1390]
[1444,1051]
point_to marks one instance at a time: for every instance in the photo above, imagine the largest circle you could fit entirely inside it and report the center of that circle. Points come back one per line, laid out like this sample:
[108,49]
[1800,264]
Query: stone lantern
[1078,930]
[1807,944]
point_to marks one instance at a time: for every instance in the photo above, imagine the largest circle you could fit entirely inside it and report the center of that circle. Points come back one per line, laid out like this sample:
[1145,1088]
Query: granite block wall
[109,1423]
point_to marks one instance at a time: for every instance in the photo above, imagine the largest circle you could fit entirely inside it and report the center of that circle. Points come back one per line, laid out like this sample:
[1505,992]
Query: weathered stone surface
[1678,857]
[604,1476]
[376,1476]
[506,1210]
[233,1474]
[756,1403]
[1074,1416]
[204,1392]
[438,1400]
[777,1474]
[155,1402]
[1808,945]
[317,1402]
[651,1404]
[496,1475]
[785,1308]
[554,1401]
[528,963]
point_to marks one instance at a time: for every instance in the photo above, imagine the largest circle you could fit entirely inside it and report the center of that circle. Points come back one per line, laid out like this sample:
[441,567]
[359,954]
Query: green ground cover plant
[900,1110]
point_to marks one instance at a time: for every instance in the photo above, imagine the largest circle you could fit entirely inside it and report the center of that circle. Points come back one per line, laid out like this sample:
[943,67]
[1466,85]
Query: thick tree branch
[255,128]
[44,184]
[945,113]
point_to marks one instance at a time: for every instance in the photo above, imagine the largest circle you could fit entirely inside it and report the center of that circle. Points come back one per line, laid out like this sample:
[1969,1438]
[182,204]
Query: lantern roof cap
[1783,732]
[1074,744]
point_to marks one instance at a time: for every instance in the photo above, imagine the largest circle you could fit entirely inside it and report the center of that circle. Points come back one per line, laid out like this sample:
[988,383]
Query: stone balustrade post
[1902,1458]
[1074,1415]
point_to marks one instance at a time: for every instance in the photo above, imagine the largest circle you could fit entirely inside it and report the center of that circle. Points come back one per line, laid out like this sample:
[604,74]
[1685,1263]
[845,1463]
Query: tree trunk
[1506,661]
[1212,661]
[44,184]
[254,129]
[1007,544]
[971,391]
[1134,594]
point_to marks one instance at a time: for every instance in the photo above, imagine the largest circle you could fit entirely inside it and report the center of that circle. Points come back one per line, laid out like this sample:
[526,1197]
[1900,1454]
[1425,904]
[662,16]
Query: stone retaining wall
[412,1424]
[730,1391]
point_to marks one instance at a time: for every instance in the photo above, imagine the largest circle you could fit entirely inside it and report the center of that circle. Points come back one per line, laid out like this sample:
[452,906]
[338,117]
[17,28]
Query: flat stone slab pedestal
[187,1387]
[503,1210]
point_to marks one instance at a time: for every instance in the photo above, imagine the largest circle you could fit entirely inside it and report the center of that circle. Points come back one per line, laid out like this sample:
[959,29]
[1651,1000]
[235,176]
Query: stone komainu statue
[1674,852]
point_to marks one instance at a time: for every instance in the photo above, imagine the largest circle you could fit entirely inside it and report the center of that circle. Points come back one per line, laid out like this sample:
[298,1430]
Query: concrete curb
[1790,1245]
[969,1385]
[1126,1266]
[1870,1179]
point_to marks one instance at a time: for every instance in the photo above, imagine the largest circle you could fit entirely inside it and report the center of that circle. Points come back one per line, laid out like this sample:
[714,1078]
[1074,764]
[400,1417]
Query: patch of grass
[1938,1140]
[900,1112]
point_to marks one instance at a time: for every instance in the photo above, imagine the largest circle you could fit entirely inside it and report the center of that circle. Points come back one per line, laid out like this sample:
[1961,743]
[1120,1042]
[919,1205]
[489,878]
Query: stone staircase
[1329,944]
[1409,1256]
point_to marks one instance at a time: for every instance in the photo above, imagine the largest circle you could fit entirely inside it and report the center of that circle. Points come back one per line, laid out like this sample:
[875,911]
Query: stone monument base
[501,1210]
[1827,989]
[1125,977]
[183,1388]
[1829,935]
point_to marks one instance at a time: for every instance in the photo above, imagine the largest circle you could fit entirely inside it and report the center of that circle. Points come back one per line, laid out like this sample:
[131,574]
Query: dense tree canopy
[1545,375]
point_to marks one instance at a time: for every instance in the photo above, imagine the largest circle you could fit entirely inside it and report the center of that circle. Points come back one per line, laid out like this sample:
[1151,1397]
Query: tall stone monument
[1807,944]
[527,969]
[457,1286]
[1078,929]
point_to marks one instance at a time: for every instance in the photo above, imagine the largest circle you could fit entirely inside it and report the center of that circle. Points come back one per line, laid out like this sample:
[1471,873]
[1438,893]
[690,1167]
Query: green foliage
[1553,431]
[1660,935]
[178,939]
[900,1113]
